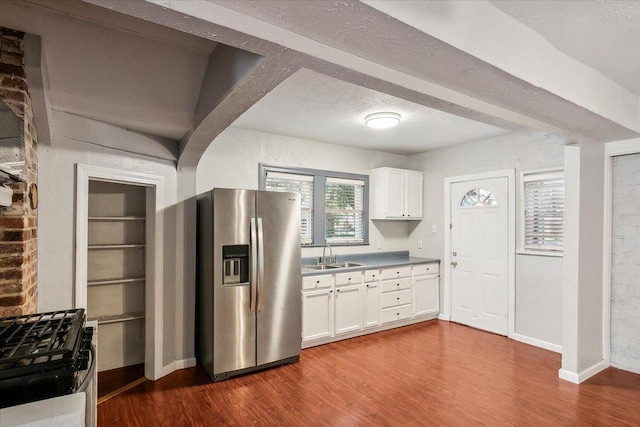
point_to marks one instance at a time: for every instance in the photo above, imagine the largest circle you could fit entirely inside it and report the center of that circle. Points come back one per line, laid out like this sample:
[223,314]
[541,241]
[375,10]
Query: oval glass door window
[478,197]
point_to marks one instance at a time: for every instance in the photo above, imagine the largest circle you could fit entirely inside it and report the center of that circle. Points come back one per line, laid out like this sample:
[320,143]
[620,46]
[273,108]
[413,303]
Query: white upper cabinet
[396,194]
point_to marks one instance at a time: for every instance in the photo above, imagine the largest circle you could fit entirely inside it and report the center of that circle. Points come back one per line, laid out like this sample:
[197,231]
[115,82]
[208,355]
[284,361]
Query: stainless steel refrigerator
[249,281]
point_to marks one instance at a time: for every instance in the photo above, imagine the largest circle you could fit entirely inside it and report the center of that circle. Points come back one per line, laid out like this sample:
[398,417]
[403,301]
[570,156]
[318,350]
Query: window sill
[553,254]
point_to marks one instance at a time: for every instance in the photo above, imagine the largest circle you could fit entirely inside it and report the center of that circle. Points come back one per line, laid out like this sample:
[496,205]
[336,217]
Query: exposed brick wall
[18,223]
[625,264]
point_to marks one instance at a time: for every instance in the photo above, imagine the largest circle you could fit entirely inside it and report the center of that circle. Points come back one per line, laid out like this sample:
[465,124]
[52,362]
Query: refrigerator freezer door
[234,329]
[279,294]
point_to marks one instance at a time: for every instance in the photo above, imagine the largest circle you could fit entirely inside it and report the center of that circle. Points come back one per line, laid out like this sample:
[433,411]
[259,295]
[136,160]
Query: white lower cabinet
[393,314]
[347,302]
[426,289]
[371,298]
[395,295]
[317,307]
[426,299]
[348,309]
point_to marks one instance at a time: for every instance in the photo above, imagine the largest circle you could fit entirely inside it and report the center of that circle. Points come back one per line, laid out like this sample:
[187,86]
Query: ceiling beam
[234,81]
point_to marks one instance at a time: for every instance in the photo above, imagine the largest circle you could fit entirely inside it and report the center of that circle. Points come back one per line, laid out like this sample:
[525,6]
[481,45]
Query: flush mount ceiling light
[382,120]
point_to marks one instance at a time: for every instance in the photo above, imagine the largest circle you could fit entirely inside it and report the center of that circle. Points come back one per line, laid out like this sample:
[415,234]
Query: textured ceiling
[146,77]
[604,35]
[313,106]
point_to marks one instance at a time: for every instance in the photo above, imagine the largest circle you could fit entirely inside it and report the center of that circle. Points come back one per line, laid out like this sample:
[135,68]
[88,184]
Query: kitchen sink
[321,267]
[345,264]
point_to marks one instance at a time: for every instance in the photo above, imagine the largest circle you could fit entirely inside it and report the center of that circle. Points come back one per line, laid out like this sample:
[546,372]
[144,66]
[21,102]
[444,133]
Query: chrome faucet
[324,258]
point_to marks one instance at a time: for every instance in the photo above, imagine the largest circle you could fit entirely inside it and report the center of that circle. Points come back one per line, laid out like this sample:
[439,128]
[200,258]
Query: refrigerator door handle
[260,265]
[254,266]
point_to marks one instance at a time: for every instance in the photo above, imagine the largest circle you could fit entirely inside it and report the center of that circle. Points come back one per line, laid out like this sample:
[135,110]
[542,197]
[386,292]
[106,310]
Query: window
[334,204]
[543,211]
[478,197]
[344,210]
[296,183]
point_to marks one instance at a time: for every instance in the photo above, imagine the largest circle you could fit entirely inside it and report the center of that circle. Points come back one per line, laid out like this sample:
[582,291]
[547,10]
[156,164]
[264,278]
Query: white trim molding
[510,174]
[584,375]
[154,260]
[538,343]
[178,364]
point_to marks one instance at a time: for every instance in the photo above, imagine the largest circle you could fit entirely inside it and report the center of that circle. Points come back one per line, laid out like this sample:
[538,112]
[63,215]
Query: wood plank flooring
[432,373]
[114,381]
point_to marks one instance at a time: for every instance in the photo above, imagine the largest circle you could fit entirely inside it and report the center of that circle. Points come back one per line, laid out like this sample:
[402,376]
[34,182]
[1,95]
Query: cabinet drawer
[317,282]
[422,269]
[349,278]
[396,313]
[392,299]
[396,285]
[396,272]
[371,275]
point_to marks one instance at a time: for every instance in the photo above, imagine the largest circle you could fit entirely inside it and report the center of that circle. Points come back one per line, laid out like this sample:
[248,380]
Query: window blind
[544,212]
[296,183]
[344,210]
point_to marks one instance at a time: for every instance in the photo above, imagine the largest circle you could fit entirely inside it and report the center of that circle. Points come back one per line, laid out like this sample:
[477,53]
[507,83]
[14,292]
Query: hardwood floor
[115,381]
[433,373]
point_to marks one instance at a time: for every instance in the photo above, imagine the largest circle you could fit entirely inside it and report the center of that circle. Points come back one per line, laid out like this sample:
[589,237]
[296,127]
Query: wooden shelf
[107,247]
[115,281]
[125,317]
[117,218]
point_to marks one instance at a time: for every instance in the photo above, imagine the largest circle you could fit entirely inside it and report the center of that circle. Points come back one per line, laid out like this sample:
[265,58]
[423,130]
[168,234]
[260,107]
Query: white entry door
[479,253]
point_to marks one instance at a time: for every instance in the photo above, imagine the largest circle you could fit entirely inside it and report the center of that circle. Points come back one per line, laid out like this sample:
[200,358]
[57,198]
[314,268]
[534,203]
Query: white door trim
[154,260]
[612,149]
[510,174]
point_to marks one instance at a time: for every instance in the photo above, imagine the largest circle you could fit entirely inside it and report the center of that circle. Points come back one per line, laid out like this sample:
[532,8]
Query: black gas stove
[43,355]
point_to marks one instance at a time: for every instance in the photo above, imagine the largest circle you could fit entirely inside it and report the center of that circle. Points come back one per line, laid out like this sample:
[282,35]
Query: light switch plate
[434,228]
[419,244]
[379,244]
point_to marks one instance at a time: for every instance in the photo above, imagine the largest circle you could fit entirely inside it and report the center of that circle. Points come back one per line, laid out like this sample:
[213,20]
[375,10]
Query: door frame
[154,262]
[510,174]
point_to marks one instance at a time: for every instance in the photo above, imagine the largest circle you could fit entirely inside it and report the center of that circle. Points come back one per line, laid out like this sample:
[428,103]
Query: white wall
[232,160]
[56,225]
[507,152]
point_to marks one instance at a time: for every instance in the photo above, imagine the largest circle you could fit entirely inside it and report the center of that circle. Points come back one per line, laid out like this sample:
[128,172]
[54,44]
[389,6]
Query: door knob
[454,264]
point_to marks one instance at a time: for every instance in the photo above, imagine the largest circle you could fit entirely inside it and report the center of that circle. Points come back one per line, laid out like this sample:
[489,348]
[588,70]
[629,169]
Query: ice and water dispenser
[235,264]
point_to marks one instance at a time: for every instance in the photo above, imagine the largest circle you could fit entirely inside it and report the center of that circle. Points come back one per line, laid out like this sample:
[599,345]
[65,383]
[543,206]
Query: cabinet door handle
[337,290]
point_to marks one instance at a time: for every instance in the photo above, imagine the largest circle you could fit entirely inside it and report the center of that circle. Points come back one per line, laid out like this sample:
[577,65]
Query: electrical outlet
[419,244]
[379,244]
[434,228]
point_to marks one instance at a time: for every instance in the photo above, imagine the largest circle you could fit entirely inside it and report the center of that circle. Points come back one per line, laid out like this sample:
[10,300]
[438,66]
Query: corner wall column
[582,299]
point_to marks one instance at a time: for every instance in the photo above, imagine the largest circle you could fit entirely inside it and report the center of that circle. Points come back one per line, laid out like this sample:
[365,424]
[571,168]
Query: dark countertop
[369,261]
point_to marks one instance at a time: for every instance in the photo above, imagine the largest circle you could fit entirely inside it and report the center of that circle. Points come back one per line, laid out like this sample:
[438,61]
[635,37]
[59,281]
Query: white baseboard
[178,364]
[584,375]
[538,343]
[442,317]
[185,363]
